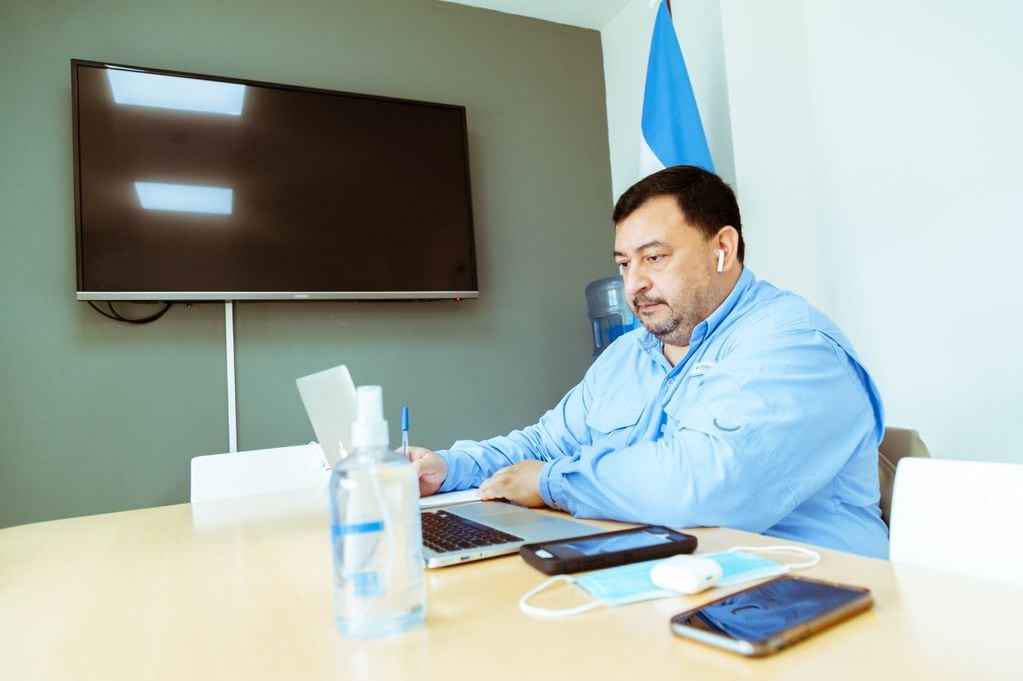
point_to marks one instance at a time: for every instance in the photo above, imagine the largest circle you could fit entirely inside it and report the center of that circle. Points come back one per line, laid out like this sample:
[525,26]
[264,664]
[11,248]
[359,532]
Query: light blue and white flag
[672,131]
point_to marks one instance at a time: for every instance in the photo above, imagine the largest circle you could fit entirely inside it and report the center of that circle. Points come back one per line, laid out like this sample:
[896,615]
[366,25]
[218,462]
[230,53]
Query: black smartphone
[606,549]
[765,618]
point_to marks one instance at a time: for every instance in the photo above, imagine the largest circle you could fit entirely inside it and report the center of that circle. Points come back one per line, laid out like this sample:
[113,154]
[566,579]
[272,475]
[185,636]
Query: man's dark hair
[706,201]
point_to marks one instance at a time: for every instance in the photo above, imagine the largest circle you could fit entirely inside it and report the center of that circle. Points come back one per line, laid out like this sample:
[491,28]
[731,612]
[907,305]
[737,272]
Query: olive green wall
[99,416]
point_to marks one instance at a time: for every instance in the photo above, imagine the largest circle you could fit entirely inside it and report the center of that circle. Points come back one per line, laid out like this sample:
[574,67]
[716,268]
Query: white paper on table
[449,498]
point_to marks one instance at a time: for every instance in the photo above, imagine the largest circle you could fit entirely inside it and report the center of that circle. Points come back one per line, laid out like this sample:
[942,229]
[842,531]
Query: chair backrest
[258,471]
[897,444]
[959,516]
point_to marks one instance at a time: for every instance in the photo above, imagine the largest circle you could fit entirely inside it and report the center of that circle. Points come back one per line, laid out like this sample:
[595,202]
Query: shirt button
[671,381]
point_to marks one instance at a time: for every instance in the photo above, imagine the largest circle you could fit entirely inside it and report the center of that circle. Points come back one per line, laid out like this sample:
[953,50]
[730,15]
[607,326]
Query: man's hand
[519,482]
[431,469]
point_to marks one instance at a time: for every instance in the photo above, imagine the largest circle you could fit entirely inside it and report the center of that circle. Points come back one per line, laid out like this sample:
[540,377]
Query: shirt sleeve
[559,432]
[769,426]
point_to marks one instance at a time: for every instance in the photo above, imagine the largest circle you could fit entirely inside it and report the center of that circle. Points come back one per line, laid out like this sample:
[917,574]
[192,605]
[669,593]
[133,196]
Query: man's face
[671,283]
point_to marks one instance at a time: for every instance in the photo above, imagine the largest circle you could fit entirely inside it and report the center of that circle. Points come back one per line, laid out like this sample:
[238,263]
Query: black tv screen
[193,187]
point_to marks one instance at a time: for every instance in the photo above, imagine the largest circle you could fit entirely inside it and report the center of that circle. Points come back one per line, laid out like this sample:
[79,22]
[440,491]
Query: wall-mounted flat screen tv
[193,187]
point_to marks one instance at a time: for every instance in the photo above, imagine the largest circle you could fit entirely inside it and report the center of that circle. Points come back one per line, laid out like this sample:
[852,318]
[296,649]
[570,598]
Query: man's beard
[676,330]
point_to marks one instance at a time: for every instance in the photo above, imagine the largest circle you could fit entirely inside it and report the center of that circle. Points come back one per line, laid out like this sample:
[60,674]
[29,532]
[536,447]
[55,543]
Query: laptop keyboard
[444,531]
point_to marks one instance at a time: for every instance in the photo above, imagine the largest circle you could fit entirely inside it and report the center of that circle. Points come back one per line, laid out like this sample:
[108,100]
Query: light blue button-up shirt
[769,424]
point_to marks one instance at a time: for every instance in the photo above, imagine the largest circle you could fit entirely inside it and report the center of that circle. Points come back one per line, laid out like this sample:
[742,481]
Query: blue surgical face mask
[612,586]
[738,567]
[631,583]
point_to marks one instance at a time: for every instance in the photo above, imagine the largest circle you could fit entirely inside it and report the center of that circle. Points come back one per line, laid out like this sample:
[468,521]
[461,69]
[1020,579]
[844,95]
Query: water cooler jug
[608,312]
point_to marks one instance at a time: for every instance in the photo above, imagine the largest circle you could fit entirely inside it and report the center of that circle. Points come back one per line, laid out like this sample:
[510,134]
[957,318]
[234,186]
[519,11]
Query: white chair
[959,516]
[258,471]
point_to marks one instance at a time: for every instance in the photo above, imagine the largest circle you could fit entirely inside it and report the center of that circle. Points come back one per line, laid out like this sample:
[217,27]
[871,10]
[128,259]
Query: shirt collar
[652,345]
[711,323]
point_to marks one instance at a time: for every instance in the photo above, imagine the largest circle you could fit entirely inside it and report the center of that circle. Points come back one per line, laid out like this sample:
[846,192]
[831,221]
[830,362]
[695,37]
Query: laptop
[485,529]
[329,400]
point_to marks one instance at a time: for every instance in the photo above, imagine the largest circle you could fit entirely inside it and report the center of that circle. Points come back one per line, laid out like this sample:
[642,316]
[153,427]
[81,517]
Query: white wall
[882,141]
[626,45]
[774,146]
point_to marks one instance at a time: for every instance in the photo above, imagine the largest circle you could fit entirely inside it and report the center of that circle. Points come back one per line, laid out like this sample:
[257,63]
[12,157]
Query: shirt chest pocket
[681,415]
[609,420]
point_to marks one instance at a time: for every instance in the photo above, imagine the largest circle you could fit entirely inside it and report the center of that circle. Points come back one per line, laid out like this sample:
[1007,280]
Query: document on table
[449,498]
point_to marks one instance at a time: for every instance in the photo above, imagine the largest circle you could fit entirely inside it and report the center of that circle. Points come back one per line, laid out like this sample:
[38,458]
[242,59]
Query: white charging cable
[813,558]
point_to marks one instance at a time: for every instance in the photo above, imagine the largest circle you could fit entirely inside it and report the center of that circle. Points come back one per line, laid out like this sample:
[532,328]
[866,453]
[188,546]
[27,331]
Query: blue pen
[404,430]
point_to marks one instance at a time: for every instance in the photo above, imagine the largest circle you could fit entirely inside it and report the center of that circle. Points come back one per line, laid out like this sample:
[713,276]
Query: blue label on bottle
[356,528]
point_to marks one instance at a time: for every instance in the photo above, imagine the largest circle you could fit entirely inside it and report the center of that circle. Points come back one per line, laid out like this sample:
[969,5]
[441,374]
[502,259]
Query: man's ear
[727,242]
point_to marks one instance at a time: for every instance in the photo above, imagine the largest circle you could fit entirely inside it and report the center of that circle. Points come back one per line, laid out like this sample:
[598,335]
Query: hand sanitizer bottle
[376,531]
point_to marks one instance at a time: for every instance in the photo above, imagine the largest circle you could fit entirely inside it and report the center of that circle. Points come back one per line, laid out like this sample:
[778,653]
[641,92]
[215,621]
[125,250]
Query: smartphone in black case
[767,617]
[606,549]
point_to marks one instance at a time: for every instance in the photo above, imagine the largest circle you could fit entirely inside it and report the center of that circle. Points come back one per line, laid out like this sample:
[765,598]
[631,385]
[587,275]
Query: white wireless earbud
[721,260]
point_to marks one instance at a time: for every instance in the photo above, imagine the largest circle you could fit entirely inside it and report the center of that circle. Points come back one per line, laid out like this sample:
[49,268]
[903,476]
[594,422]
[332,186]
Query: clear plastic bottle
[375,531]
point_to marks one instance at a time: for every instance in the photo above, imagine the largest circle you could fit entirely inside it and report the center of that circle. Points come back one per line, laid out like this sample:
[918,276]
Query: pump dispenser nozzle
[370,427]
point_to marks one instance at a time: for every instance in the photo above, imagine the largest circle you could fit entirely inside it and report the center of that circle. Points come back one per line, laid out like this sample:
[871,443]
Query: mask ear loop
[546,612]
[813,558]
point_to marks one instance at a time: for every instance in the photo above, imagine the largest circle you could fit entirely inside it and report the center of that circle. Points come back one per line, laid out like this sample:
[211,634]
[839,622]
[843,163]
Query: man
[736,405]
